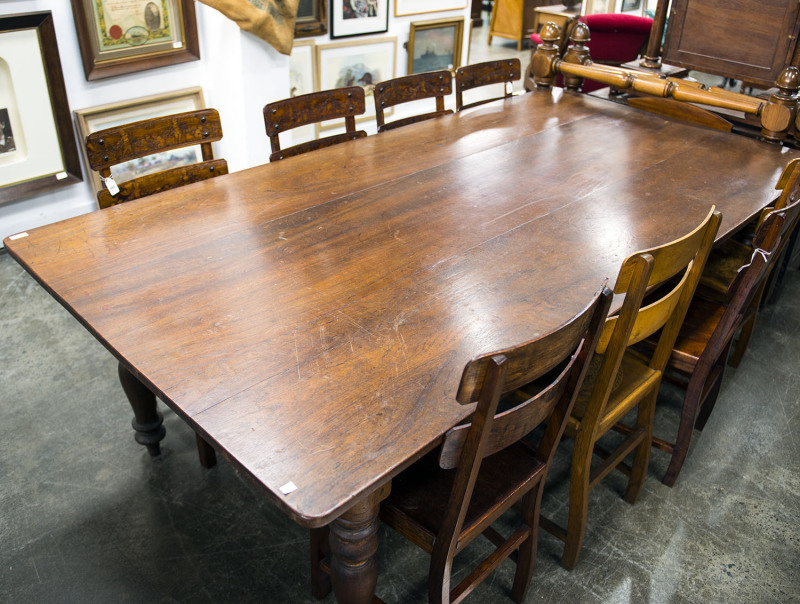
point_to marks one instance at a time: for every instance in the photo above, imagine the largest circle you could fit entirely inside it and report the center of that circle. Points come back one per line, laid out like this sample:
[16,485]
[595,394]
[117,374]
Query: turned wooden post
[543,60]
[578,54]
[652,56]
[147,421]
[778,115]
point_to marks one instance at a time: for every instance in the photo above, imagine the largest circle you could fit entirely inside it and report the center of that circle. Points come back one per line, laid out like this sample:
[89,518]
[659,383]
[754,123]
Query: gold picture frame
[123,36]
[434,45]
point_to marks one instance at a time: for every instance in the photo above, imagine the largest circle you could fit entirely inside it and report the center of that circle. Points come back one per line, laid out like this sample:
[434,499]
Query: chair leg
[578,501]
[527,550]
[744,339]
[320,580]
[645,414]
[691,403]
[708,404]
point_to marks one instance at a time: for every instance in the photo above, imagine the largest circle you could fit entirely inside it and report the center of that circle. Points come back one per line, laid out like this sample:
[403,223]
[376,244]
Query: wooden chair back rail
[416,87]
[116,145]
[313,108]
[485,74]
[162,181]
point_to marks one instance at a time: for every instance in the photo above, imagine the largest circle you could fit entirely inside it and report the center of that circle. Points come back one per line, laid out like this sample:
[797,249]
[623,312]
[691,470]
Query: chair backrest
[504,71]
[682,260]
[414,87]
[314,108]
[114,146]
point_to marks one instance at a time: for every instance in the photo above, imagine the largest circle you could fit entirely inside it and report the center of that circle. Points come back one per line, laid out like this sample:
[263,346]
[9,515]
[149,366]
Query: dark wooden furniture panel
[741,39]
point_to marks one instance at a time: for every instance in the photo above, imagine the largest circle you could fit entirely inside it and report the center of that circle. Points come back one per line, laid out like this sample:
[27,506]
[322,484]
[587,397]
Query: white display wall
[238,72]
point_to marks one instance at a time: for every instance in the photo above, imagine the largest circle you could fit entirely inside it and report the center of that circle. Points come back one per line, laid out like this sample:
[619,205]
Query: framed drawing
[122,36]
[37,143]
[359,63]
[312,18]
[105,116]
[303,80]
[358,17]
[434,45]
[418,7]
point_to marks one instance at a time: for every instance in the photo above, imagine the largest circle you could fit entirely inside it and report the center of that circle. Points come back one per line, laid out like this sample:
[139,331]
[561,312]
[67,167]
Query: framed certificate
[37,143]
[122,36]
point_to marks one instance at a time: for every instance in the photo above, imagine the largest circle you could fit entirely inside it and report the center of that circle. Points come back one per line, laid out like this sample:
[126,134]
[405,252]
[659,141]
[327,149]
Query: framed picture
[312,18]
[593,7]
[359,63]
[97,118]
[630,6]
[358,17]
[418,7]
[434,45]
[37,142]
[122,36]
[302,80]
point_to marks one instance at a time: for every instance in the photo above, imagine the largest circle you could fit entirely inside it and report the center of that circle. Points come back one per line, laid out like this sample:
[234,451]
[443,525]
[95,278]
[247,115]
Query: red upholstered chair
[616,39]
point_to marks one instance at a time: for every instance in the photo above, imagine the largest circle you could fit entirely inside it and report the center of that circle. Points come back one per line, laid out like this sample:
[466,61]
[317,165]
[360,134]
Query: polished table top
[312,317]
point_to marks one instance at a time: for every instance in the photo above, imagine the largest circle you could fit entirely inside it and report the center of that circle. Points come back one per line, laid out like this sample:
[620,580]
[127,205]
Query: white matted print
[363,63]
[418,7]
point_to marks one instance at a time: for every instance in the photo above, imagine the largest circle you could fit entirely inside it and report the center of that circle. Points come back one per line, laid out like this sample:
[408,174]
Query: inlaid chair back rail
[119,144]
[493,469]
[504,71]
[416,87]
[313,108]
[624,381]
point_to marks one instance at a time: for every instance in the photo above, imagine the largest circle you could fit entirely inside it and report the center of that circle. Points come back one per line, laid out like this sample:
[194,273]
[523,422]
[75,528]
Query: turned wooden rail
[778,115]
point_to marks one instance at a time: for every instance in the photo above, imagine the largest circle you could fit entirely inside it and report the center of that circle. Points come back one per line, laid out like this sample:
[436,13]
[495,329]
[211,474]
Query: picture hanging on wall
[357,63]
[123,36]
[97,118]
[418,7]
[37,142]
[434,45]
[358,17]
[312,18]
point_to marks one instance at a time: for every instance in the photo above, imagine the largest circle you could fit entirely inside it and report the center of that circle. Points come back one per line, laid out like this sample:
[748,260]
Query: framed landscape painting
[123,36]
[312,18]
[358,17]
[434,45]
[97,118]
[363,63]
[37,142]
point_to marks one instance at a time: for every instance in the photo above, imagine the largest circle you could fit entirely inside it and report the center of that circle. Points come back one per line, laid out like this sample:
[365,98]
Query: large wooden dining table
[311,318]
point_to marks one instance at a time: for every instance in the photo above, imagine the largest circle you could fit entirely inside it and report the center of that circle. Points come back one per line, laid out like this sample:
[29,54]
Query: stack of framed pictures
[37,143]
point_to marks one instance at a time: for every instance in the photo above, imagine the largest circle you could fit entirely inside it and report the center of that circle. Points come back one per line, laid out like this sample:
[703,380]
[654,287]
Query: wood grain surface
[312,317]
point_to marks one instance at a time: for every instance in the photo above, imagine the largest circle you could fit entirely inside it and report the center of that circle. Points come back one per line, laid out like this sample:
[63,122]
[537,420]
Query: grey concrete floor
[86,516]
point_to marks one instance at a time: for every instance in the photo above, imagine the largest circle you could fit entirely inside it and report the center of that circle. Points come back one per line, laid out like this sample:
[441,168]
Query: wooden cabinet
[740,39]
[515,19]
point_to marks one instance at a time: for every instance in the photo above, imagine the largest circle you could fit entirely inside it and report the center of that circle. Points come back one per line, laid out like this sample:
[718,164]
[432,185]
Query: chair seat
[421,493]
[723,263]
[633,374]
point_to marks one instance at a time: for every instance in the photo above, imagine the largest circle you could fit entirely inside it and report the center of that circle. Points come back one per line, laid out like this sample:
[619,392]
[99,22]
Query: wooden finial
[543,60]
[578,54]
[781,111]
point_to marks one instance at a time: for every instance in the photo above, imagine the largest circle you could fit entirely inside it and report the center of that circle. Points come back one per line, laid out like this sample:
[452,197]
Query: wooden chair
[113,146]
[414,87]
[483,467]
[700,352]
[725,260]
[621,380]
[313,108]
[504,71]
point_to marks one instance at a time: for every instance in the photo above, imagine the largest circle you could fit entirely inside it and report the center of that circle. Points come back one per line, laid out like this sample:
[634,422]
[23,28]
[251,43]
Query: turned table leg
[353,543]
[146,418]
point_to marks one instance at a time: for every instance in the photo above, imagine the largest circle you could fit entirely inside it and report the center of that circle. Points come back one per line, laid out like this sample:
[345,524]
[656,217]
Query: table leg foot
[147,421]
[353,543]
